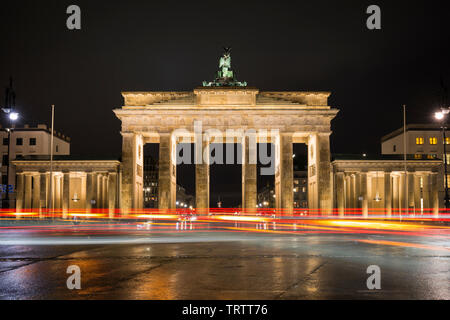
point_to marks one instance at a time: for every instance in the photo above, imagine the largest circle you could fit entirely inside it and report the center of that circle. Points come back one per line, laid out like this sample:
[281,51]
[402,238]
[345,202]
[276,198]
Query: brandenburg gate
[226,105]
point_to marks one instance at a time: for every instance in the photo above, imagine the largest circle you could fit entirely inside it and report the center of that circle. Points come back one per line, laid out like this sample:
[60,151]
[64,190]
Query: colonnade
[388,190]
[319,193]
[71,190]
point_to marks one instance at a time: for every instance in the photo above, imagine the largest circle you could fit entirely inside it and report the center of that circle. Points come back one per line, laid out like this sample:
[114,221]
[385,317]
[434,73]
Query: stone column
[105,192]
[410,191]
[417,194]
[28,191]
[340,193]
[396,193]
[434,193]
[426,193]
[36,191]
[66,192]
[112,187]
[100,191]
[202,178]
[357,190]
[402,192]
[353,191]
[319,170]
[132,175]
[364,195]
[95,191]
[20,192]
[287,172]
[89,190]
[249,173]
[167,181]
[57,194]
[388,193]
[347,191]
[370,193]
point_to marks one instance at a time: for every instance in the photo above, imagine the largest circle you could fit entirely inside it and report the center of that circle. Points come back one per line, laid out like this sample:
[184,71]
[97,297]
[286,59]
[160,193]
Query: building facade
[380,185]
[28,141]
[76,183]
[423,141]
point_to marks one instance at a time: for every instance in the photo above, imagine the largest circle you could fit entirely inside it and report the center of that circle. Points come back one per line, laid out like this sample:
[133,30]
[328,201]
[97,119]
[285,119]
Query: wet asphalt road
[228,266]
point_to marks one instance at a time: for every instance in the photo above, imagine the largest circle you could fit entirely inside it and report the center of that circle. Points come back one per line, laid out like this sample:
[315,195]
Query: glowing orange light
[242,218]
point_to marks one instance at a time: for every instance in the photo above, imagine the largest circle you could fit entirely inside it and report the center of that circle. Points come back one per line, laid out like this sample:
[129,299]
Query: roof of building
[67,158]
[39,127]
[269,98]
[382,157]
[411,127]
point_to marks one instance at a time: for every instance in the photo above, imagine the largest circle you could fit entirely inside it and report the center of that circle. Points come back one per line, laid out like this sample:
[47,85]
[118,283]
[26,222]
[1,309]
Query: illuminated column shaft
[132,174]
[340,193]
[426,192]
[66,191]
[417,194]
[249,173]
[323,172]
[100,191]
[201,173]
[20,191]
[89,190]
[57,192]
[402,192]
[112,187]
[287,172]
[364,194]
[347,191]
[94,195]
[370,193]
[357,190]
[395,189]
[388,193]
[410,190]
[105,191]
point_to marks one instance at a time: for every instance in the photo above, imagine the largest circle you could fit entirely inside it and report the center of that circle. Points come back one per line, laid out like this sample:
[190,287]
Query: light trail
[146,222]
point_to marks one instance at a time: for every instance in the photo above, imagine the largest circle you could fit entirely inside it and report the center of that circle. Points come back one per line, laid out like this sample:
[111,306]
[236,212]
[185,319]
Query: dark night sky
[302,45]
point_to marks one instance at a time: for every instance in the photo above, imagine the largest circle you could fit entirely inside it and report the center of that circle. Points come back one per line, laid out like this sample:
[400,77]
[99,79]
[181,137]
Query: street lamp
[10,102]
[441,116]
[13,116]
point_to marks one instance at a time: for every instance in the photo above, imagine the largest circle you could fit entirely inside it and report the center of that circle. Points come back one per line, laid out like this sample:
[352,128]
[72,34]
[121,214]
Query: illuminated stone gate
[169,118]
[157,117]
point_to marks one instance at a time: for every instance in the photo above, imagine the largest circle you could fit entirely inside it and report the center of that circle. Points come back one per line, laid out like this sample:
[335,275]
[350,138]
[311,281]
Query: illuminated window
[419,140]
[447,140]
[448,158]
[417,156]
[433,140]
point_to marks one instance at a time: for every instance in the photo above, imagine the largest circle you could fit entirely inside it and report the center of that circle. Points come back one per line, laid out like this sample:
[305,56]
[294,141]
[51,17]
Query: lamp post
[10,102]
[441,116]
